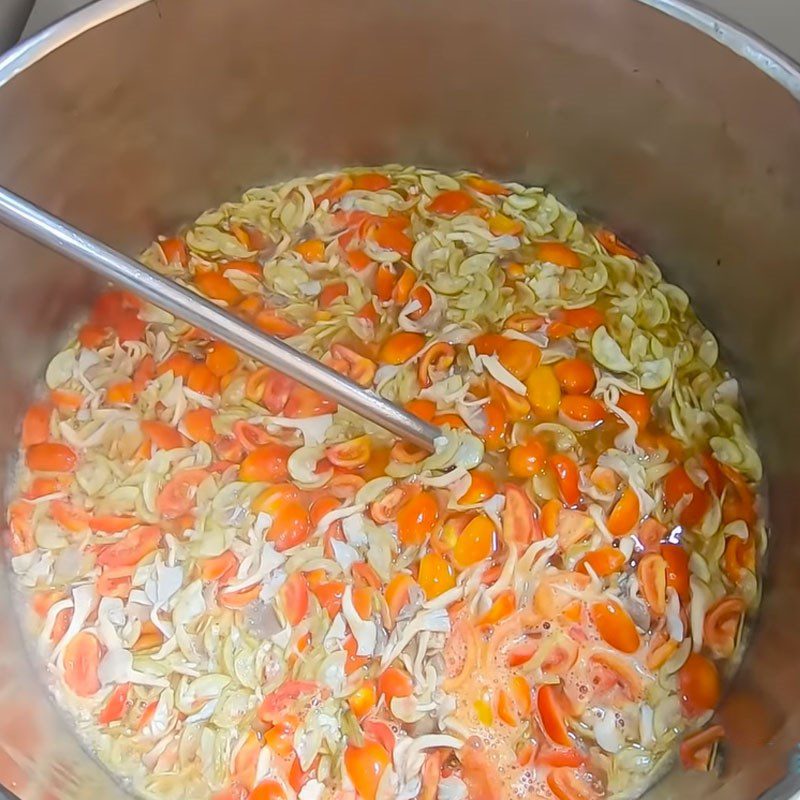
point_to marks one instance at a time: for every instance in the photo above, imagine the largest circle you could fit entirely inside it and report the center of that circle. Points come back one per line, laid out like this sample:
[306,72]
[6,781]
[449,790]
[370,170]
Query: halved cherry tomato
[551,714]
[435,575]
[51,457]
[217,287]
[481,487]
[451,203]
[400,347]
[699,684]
[290,527]
[198,424]
[625,514]
[520,526]
[652,575]
[677,569]
[163,436]
[115,706]
[526,460]
[219,568]
[636,406]
[177,496]
[604,561]
[475,542]
[581,408]
[566,784]
[559,254]
[566,472]
[294,598]
[395,682]
[221,358]
[329,595]
[268,790]
[175,251]
[36,425]
[678,485]
[312,250]
[575,375]
[416,518]
[81,660]
[371,182]
[268,463]
[132,548]
[365,766]
[544,391]
[615,626]
[398,592]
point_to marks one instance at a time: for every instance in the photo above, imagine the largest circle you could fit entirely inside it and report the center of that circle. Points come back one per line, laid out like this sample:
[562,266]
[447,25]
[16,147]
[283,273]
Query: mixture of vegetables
[244,592]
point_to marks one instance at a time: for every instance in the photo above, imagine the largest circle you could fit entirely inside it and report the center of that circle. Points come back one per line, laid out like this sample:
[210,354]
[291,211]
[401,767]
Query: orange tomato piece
[638,407]
[696,751]
[219,568]
[365,766]
[304,402]
[424,409]
[371,182]
[199,424]
[544,391]
[566,784]
[699,683]
[559,254]
[451,203]
[132,548]
[51,457]
[582,409]
[275,325]
[604,561]
[503,607]
[481,487]
[389,236]
[115,582]
[678,485]
[335,190]
[398,592]
[202,380]
[331,293]
[495,433]
[120,393]
[501,225]
[652,574]
[312,250]
[115,706]
[36,425]
[363,700]
[435,575]
[551,714]
[350,455]
[435,361]
[566,472]
[290,527]
[625,514]
[81,660]
[177,496]
[416,518]
[217,287]
[615,625]
[267,463]
[519,357]
[221,358]
[92,336]
[294,598]
[588,317]
[400,347]
[520,526]
[486,186]
[677,569]
[551,511]
[179,364]
[268,789]
[163,436]
[329,595]
[175,251]
[613,245]
[721,625]
[575,375]
[395,682]
[476,542]
[248,267]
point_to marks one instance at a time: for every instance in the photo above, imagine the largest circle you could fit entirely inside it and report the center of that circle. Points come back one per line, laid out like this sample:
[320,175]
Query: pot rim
[767,58]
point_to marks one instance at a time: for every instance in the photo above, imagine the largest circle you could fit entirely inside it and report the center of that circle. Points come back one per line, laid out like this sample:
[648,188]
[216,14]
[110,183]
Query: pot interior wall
[684,148]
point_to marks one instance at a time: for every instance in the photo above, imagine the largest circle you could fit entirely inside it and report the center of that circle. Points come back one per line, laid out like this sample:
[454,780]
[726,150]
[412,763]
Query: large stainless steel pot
[132,116]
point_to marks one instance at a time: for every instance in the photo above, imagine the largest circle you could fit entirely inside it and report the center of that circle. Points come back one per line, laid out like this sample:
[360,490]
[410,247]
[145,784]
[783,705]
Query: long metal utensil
[54,233]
